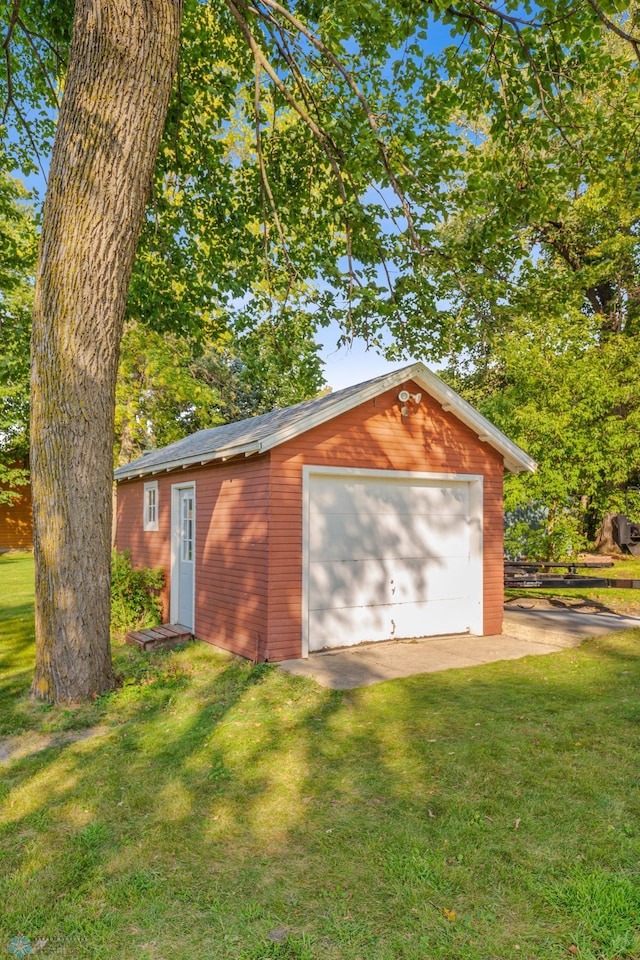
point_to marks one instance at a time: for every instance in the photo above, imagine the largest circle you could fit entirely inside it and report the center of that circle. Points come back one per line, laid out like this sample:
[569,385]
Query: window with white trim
[150,502]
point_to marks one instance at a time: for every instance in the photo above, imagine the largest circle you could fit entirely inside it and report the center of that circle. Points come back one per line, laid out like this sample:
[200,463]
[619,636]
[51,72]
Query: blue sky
[344,366]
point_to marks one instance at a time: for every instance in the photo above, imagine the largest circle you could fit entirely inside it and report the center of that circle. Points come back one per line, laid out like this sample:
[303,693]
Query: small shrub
[135,603]
[534,532]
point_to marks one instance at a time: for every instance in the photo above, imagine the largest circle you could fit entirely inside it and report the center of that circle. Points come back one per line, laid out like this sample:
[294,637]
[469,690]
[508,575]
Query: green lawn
[224,811]
[628,566]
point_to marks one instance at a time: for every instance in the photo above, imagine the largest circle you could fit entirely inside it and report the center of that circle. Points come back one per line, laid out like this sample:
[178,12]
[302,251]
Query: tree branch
[45,73]
[610,25]
[15,21]
[264,179]
[320,135]
[326,52]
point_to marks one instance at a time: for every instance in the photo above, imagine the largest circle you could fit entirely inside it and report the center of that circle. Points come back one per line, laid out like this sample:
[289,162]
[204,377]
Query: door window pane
[186,528]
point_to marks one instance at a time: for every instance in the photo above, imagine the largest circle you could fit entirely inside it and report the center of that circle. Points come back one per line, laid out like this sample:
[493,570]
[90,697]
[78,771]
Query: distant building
[16,522]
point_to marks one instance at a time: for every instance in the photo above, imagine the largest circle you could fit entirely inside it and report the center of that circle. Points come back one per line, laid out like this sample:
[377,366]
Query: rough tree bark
[122,63]
[604,539]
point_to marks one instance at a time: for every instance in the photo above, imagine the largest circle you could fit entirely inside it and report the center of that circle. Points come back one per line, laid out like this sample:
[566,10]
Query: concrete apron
[527,632]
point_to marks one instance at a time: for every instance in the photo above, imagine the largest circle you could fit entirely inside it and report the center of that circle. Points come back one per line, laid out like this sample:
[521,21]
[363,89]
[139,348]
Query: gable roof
[259,434]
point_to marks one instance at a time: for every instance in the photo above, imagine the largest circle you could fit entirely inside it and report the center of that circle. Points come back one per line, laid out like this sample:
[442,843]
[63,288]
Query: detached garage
[373,513]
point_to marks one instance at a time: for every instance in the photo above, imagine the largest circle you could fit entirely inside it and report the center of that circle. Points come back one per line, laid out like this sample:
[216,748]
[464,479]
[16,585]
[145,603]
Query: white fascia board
[184,462]
[515,459]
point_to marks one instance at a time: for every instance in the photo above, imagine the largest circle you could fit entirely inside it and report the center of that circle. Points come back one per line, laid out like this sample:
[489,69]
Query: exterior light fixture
[404,396]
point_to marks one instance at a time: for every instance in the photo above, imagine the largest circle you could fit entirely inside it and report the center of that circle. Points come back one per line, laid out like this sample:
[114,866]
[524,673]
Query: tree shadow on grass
[230,806]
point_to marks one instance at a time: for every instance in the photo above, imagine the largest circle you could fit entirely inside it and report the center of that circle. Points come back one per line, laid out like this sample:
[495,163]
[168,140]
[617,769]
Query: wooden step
[159,638]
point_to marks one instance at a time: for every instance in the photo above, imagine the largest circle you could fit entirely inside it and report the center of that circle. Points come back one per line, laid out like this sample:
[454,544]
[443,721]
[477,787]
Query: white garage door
[390,556]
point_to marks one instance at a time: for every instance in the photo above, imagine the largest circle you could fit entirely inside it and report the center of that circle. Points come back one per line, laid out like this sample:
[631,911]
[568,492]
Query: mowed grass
[225,811]
[627,566]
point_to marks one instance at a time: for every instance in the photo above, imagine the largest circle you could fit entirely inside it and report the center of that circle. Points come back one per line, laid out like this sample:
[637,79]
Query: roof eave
[515,459]
[224,453]
[518,467]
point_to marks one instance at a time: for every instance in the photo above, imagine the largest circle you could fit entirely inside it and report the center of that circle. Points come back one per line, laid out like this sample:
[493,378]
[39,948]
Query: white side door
[183,516]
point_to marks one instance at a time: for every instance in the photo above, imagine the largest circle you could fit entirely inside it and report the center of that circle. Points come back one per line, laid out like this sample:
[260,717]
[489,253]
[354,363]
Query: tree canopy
[379,161]
[544,235]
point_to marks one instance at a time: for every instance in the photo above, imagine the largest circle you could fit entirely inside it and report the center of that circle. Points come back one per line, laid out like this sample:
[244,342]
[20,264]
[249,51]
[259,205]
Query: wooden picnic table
[571,566]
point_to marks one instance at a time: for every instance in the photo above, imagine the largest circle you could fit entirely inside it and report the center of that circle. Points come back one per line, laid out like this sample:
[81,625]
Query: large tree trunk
[122,63]
[604,538]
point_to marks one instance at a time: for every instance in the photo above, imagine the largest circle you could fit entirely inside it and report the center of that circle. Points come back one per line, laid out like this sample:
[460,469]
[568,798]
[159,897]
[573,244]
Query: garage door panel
[335,628]
[344,536]
[362,497]
[449,579]
[391,558]
[362,583]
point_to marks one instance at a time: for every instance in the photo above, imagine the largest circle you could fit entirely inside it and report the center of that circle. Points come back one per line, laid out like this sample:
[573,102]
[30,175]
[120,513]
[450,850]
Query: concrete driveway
[526,632]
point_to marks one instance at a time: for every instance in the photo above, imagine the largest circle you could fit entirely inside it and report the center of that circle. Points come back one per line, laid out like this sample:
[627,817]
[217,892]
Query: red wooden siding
[374,435]
[230,550]
[16,522]
[232,503]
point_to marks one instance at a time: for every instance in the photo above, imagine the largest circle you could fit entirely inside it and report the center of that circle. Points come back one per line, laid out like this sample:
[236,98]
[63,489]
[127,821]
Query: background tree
[546,336]
[170,386]
[17,261]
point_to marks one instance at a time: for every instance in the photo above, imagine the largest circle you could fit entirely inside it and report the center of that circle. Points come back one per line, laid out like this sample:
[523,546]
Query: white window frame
[148,522]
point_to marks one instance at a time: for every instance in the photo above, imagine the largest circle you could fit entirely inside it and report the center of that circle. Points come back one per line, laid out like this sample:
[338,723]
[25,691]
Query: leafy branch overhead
[335,160]
[309,150]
